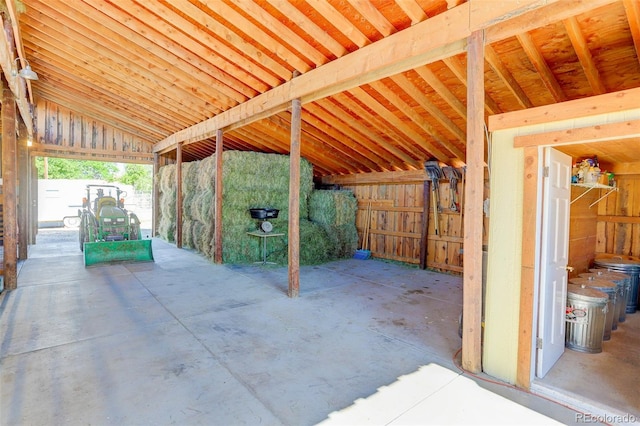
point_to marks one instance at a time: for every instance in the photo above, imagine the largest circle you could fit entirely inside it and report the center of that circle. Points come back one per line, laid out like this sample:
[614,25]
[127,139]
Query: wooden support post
[179,196]
[33,201]
[155,213]
[217,228]
[23,194]
[424,235]
[9,188]
[294,199]
[474,193]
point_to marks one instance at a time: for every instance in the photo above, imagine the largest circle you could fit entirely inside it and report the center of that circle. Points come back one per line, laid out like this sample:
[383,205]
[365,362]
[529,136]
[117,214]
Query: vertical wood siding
[62,133]
[618,223]
[396,222]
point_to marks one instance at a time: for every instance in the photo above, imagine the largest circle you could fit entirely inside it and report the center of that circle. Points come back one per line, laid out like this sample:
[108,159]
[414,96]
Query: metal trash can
[617,298]
[624,287]
[585,317]
[627,265]
[610,289]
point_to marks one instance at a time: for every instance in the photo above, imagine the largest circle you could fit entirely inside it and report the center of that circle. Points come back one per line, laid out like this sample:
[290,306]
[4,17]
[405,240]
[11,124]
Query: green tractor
[108,232]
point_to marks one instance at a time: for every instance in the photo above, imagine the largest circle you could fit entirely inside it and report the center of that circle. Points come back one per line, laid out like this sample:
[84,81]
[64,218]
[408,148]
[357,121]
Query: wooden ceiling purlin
[374,89]
[632,10]
[173,62]
[339,130]
[396,53]
[359,119]
[213,57]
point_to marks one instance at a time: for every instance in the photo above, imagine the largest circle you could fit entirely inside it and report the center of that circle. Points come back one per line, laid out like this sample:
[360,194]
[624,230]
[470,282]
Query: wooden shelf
[591,186]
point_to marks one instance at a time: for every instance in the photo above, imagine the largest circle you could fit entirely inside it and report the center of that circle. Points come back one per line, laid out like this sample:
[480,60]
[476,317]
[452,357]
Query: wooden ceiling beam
[229,44]
[584,55]
[127,54]
[460,71]
[417,119]
[410,138]
[256,34]
[594,105]
[318,147]
[166,113]
[211,57]
[316,126]
[412,10]
[341,23]
[410,89]
[507,78]
[632,10]
[396,53]
[278,129]
[441,89]
[308,26]
[539,17]
[16,83]
[540,64]
[336,105]
[74,68]
[371,13]
[158,33]
[282,31]
[324,112]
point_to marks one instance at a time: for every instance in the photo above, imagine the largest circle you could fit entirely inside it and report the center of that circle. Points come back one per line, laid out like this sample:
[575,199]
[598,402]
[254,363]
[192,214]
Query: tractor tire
[84,231]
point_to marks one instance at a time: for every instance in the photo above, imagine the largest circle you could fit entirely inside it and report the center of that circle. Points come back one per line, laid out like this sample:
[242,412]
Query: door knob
[569,268]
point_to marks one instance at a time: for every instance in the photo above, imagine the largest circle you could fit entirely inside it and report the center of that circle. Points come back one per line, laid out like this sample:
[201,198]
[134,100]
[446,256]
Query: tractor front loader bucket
[117,251]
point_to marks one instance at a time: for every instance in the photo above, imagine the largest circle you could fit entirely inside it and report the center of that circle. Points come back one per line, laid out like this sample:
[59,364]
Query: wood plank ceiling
[154,67]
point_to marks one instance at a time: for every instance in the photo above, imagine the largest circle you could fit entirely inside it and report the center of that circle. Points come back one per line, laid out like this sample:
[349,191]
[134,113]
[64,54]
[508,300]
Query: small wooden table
[264,236]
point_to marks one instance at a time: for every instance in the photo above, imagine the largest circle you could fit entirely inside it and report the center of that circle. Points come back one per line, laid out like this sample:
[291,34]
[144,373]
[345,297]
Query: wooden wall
[618,221]
[582,229]
[396,223]
[62,133]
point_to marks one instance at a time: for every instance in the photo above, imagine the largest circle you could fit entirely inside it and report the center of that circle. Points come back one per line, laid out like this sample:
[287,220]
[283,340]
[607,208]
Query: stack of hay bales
[336,211]
[166,179]
[255,180]
[197,205]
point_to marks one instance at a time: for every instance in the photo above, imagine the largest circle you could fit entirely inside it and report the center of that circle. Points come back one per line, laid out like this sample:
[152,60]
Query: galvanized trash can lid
[617,261]
[594,283]
[587,294]
[609,275]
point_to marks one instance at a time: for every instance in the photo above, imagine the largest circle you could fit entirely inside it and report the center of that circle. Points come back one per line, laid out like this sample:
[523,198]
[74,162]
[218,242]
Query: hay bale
[254,180]
[335,211]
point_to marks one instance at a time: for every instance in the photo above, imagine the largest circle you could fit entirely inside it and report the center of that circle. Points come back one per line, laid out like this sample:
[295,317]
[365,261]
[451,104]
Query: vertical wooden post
[217,228]
[23,194]
[155,213]
[294,199]
[474,193]
[179,196]
[9,188]
[424,235]
[527,281]
[33,201]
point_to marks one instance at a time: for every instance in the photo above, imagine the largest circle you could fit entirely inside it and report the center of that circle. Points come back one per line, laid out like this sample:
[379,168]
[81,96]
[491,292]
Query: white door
[556,198]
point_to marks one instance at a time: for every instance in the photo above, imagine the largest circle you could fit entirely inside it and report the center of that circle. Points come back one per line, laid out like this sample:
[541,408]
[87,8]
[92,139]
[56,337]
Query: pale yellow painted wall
[502,304]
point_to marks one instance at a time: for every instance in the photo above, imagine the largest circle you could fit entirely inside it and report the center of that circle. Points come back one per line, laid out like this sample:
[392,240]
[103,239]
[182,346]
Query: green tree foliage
[138,176]
[59,168]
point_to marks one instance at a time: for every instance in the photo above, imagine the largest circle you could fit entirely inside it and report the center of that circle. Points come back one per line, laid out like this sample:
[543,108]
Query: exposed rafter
[544,72]
[584,55]
[505,75]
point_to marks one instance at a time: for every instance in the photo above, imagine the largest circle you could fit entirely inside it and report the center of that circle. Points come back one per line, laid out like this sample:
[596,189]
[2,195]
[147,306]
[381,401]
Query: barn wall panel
[62,133]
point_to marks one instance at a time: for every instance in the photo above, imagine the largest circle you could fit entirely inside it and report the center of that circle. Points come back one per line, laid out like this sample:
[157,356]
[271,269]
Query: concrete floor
[183,341]
[604,383]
